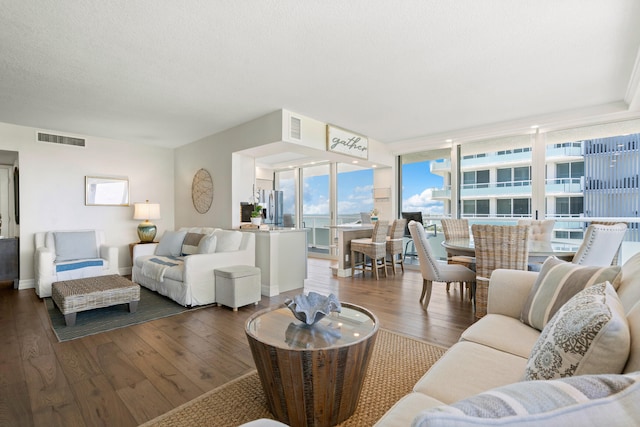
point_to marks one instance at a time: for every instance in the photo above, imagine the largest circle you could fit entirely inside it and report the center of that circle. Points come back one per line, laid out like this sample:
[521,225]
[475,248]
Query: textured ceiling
[169,72]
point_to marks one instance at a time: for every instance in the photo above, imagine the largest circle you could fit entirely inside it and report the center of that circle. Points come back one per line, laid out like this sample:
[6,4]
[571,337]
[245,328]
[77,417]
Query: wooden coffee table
[312,376]
[72,296]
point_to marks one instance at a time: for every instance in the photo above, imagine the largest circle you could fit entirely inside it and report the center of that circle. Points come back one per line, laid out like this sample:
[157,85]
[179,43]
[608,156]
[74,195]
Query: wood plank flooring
[128,376]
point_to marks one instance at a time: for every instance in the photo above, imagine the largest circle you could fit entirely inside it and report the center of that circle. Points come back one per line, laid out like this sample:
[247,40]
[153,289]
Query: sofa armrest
[43,263]
[110,253]
[508,291]
[143,250]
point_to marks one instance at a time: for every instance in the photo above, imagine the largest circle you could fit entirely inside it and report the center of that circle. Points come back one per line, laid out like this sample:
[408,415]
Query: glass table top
[279,328]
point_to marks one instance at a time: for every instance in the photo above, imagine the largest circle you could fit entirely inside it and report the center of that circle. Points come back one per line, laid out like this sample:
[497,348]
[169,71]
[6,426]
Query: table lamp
[146,211]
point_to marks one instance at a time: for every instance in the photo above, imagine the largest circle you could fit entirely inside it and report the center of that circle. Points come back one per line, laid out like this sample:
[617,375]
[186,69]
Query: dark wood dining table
[538,250]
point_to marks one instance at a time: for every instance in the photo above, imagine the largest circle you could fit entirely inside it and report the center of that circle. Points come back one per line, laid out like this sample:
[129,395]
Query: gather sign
[345,142]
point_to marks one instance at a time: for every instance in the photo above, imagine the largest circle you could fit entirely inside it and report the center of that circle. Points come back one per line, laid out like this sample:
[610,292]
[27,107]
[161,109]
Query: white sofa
[71,254]
[487,366]
[189,279]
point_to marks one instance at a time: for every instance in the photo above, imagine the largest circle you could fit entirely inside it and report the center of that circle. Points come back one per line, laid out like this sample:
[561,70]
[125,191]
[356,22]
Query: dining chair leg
[426,293]
[448,284]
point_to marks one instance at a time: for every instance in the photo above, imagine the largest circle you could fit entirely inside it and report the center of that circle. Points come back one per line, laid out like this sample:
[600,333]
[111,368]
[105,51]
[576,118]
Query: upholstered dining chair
[457,229]
[539,229]
[497,246]
[394,244]
[375,248]
[601,245]
[432,270]
[410,216]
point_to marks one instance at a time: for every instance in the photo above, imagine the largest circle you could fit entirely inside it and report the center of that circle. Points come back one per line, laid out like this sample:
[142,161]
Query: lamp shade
[146,211]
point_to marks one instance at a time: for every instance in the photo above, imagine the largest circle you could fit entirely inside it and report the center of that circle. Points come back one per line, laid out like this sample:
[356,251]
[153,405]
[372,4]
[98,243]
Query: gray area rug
[151,306]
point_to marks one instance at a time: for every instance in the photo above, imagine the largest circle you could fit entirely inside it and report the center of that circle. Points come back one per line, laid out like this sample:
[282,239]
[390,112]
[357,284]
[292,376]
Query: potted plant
[256,215]
[374,214]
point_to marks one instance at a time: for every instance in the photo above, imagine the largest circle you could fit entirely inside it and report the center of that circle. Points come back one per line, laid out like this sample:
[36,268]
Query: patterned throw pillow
[588,335]
[557,282]
[190,243]
[576,401]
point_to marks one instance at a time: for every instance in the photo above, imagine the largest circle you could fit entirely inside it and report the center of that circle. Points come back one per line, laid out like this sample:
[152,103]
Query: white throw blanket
[155,268]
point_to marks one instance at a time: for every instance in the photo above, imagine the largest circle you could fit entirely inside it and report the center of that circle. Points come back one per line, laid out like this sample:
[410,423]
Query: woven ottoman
[72,296]
[237,286]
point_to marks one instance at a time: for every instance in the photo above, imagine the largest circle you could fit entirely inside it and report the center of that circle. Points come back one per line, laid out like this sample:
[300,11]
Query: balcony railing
[563,186]
[511,188]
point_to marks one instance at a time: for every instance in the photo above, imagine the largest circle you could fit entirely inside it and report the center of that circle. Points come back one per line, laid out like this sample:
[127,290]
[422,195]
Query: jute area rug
[152,306]
[397,363]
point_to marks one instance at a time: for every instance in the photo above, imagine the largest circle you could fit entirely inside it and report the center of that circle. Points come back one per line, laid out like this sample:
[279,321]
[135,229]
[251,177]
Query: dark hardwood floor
[128,376]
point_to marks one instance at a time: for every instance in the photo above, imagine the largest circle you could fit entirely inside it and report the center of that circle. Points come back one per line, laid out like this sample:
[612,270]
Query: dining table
[538,250]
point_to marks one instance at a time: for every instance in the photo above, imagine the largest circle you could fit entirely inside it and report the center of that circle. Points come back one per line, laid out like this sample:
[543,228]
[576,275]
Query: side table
[312,375]
[132,245]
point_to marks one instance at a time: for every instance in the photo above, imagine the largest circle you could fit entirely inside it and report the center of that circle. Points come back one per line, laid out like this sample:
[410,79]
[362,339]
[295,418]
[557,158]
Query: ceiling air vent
[295,128]
[60,139]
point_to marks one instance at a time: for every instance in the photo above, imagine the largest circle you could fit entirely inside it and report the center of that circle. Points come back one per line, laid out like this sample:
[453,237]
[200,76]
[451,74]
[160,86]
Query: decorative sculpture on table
[312,307]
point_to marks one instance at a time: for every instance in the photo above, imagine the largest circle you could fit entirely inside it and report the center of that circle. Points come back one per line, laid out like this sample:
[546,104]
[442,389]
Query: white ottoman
[237,286]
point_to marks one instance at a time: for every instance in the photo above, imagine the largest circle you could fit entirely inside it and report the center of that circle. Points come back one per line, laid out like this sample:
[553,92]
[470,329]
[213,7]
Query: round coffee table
[312,375]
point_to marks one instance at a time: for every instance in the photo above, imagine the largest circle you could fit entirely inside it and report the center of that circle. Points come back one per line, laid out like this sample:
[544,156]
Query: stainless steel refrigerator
[273,204]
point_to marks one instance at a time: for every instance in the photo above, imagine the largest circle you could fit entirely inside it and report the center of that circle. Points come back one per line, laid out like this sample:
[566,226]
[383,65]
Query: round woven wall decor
[202,191]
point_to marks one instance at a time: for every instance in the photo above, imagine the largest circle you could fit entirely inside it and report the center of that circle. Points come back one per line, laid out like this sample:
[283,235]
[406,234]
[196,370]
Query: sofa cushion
[171,243]
[208,244]
[627,283]
[503,333]
[72,245]
[190,243]
[633,319]
[557,282]
[406,409]
[588,335]
[468,368]
[586,400]
[227,240]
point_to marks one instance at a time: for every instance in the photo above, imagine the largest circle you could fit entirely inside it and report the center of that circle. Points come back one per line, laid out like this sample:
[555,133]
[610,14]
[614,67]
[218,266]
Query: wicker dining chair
[457,229]
[394,244]
[374,248]
[434,271]
[497,246]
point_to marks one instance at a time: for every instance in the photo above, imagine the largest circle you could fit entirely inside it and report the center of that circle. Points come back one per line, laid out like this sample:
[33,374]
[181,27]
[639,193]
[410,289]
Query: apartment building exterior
[582,179]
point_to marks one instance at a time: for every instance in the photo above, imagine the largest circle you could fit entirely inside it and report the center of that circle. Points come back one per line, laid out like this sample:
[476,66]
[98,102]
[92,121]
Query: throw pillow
[556,283]
[207,244]
[72,245]
[190,243]
[588,335]
[171,243]
[227,240]
[562,402]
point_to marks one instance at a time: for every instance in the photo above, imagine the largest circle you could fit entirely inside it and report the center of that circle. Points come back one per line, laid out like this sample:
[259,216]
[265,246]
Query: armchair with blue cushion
[69,255]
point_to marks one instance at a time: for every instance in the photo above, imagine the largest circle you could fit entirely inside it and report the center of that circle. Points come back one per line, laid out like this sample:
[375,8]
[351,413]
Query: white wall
[233,176]
[52,188]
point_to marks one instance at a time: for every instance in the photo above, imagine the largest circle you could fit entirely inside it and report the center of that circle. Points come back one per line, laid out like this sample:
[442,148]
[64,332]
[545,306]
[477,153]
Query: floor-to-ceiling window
[355,193]
[316,207]
[309,190]
[286,182]
[496,178]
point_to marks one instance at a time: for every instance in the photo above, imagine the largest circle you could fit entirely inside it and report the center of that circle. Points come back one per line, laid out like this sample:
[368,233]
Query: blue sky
[355,191]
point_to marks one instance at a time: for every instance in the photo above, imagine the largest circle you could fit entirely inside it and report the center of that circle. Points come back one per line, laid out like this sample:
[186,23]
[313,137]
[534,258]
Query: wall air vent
[60,139]
[295,128]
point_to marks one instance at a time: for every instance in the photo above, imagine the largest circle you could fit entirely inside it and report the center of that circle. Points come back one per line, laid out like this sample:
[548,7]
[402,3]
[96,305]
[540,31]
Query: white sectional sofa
[181,266]
[69,255]
[505,372]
